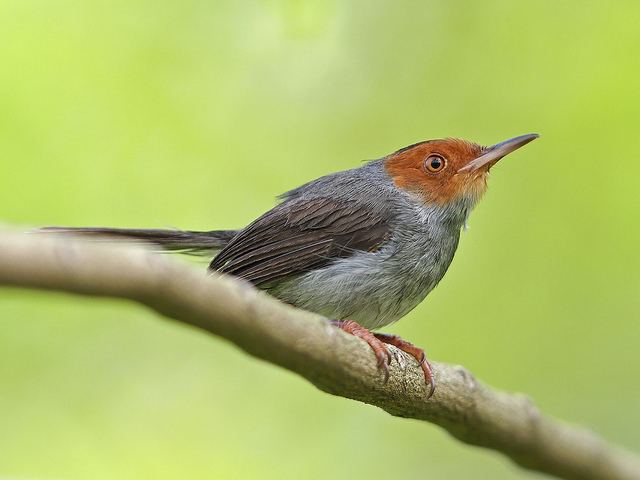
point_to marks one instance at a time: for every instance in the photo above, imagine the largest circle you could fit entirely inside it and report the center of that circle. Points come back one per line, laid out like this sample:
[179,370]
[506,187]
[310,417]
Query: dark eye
[435,163]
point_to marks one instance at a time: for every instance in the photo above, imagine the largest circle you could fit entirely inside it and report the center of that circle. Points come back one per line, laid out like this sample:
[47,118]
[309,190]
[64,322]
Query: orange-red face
[430,170]
[440,171]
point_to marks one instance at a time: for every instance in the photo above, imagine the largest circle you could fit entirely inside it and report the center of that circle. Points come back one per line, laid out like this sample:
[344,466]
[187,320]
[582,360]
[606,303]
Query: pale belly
[374,289]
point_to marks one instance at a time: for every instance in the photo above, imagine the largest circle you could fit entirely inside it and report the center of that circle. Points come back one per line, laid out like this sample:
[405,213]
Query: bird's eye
[434,163]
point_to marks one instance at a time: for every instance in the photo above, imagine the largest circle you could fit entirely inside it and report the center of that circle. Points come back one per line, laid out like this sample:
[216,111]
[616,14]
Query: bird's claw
[416,353]
[380,349]
[378,343]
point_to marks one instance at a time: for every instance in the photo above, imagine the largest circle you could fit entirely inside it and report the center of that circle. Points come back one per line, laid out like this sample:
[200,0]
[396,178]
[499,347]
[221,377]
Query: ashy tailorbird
[362,247]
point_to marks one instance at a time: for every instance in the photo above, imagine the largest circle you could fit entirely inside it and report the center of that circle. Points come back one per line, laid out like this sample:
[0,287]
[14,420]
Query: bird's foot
[378,343]
[379,347]
[415,352]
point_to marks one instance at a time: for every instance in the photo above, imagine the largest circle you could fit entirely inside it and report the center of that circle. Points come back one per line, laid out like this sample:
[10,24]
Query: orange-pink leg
[379,347]
[378,343]
[415,352]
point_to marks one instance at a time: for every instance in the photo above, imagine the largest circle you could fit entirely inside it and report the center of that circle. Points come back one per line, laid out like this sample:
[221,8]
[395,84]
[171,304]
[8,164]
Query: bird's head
[442,171]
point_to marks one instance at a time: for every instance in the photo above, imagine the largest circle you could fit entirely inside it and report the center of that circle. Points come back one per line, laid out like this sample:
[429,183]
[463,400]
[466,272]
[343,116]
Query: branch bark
[305,343]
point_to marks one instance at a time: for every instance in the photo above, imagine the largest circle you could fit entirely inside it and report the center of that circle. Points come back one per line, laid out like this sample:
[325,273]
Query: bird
[361,247]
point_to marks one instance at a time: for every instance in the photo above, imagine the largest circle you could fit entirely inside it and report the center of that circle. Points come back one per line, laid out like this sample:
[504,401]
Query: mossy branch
[305,343]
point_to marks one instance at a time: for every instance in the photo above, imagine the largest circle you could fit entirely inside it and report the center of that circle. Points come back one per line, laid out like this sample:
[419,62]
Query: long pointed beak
[494,153]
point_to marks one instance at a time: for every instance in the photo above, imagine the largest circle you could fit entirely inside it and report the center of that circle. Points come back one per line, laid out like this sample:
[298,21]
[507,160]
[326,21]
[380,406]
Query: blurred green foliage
[195,114]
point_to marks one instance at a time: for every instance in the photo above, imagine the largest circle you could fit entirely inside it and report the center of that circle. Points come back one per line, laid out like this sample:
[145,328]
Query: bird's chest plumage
[378,288]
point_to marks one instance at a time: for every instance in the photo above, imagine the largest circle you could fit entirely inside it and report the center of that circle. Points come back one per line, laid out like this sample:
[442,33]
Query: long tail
[180,241]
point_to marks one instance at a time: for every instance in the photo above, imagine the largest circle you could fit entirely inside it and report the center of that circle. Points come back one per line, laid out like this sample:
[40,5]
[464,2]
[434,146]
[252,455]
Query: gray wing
[301,235]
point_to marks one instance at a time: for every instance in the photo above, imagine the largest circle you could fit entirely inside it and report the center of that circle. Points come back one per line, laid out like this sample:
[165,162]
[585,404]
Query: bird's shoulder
[330,218]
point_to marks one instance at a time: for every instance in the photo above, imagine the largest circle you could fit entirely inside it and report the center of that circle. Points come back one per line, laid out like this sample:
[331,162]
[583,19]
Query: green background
[195,114]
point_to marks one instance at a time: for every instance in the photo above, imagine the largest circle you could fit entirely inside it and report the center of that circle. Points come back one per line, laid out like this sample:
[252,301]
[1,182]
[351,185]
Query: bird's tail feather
[180,241]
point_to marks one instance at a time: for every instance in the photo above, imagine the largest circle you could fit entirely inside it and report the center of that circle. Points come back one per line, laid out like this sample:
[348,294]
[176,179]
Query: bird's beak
[494,153]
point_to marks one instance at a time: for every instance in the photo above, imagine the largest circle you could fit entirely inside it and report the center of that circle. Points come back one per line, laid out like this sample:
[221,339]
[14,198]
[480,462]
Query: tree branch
[305,343]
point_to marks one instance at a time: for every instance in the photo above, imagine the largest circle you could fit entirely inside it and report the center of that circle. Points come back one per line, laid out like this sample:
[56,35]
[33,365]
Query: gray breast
[378,288]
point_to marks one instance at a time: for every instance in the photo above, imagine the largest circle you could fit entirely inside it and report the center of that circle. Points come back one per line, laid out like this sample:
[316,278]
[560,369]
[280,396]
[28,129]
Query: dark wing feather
[299,236]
